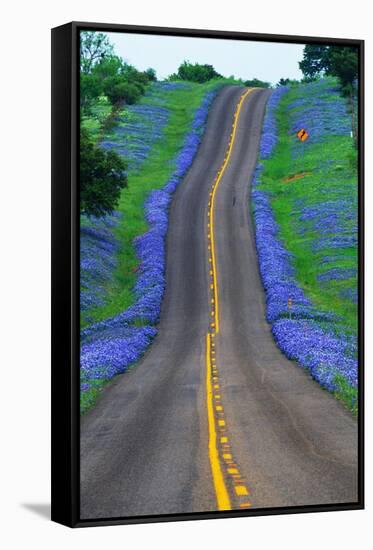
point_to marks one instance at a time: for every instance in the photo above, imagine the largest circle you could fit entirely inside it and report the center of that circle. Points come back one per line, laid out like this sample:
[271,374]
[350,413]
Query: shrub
[195,72]
[102,178]
[256,83]
[90,88]
[151,74]
[117,90]
[107,67]
[288,82]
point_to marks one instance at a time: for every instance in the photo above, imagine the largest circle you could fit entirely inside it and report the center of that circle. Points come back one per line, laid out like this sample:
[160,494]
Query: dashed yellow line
[241,490]
[212,203]
[223,466]
[222,495]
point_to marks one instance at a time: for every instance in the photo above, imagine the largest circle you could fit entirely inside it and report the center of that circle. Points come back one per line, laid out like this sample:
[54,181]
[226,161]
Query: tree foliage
[344,65]
[256,83]
[339,61]
[117,90]
[288,82]
[103,72]
[94,46]
[102,177]
[152,75]
[195,72]
[90,88]
[109,66]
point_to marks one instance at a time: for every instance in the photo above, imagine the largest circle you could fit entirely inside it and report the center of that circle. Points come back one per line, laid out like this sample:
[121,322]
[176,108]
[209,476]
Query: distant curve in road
[157,441]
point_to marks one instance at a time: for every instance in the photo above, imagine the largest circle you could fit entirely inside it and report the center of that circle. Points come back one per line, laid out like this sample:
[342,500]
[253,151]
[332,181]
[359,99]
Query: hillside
[305,212]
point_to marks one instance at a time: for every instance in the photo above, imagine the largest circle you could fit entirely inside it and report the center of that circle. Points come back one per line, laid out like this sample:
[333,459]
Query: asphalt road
[145,445]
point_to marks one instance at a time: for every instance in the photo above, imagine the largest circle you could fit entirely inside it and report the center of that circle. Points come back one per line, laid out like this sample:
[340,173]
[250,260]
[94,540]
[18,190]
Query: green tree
[94,46]
[339,61]
[315,60]
[108,66]
[102,177]
[151,74]
[96,61]
[344,65]
[287,82]
[195,72]
[131,74]
[90,88]
[119,90]
[103,72]
[256,83]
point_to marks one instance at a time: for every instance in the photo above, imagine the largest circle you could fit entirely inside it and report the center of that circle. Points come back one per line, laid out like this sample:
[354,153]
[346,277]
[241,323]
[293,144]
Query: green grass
[324,181]
[89,397]
[346,394]
[320,185]
[99,114]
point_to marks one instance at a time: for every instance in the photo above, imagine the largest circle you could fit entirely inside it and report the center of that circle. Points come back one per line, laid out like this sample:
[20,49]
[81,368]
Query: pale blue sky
[264,60]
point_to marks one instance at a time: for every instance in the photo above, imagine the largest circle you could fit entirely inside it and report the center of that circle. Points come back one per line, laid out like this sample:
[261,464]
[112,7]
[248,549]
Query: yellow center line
[222,495]
[215,414]
[212,203]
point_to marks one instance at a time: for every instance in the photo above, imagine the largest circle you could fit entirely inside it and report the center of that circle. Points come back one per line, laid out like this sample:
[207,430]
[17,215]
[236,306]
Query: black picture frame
[65,271]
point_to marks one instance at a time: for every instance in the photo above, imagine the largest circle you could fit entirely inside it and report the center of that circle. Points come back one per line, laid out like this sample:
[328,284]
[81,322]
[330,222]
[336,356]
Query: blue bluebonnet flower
[112,353]
[349,293]
[321,110]
[304,333]
[136,130]
[269,133]
[337,274]
[318,350]
[98,249]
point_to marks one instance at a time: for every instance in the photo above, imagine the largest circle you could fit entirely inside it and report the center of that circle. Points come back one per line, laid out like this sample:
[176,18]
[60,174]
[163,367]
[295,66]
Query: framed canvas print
[207,277]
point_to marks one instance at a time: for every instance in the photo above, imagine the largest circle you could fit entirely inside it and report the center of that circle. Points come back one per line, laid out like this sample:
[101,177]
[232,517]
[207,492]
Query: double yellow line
[211,215]
[215,411]
[221,491]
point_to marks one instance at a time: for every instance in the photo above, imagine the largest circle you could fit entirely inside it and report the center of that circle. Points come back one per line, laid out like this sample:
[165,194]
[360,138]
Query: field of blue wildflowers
[135,130]
[304,198]
[119,311]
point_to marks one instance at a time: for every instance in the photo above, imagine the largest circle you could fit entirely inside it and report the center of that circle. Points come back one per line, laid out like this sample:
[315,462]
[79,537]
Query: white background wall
[25,267]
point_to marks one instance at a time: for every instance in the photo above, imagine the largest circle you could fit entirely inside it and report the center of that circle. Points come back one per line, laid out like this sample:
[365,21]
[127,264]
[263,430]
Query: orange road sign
[290,302]
[302,134]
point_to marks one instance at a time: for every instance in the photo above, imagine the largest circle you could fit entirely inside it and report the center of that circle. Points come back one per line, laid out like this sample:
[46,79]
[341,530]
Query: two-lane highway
[214,416]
